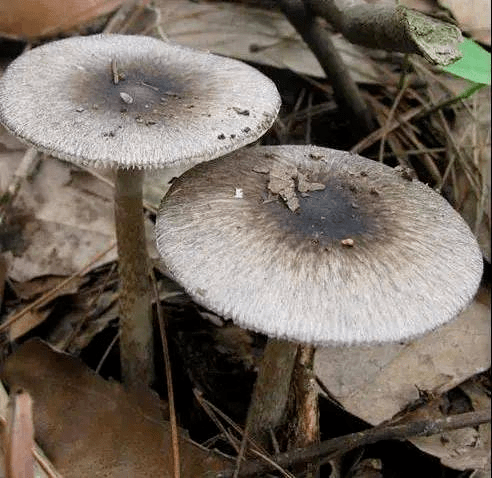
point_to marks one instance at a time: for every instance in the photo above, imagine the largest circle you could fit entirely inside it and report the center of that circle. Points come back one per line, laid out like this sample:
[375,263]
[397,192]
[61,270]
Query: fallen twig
[331,448]
[318,39]
[169,380]
[393,28]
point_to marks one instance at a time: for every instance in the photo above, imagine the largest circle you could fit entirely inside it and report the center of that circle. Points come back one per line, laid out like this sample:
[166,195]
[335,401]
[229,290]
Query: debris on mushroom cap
[281,182]
[163,104]
[399,264]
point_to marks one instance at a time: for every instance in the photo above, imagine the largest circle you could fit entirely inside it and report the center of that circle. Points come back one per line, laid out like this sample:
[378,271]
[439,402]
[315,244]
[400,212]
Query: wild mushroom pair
[134,103]
[320,247]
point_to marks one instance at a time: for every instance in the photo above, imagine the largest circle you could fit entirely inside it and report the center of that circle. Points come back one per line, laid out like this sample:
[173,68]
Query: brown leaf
[91,427]
[376,382]
[28,19]
[27,322]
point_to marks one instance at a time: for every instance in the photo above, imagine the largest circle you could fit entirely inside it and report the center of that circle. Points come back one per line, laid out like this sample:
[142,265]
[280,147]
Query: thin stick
[416,113]
[106,352]
[346,92]
[212,415]
[376,135]
[114,71]
[255,449]
[330,449]
[46,465]
[19,460]
[115,22]
[169,380]
[288,123]
[391,113]
[137,10]
[45,298]
[38,454]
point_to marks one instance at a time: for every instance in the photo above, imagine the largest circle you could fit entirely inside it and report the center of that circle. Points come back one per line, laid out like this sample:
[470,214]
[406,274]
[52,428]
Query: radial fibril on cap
[134,101]
[371,257]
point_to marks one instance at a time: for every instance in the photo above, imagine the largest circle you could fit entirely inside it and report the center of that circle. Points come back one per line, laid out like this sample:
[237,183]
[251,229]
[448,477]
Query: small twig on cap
[114,71]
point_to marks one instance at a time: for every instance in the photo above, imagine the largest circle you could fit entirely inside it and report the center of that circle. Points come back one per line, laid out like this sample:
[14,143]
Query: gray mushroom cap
[365,256]
[134,101]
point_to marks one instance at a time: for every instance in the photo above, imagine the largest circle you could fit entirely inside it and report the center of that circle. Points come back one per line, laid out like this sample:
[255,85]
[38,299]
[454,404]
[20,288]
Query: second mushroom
[316,246]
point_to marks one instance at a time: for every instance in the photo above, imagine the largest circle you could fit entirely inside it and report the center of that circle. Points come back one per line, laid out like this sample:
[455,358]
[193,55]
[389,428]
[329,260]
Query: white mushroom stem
[267,407]
[135,309]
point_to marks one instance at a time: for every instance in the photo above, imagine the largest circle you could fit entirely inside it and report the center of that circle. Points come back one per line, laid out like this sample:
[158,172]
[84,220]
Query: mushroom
[134,102]
[323,247]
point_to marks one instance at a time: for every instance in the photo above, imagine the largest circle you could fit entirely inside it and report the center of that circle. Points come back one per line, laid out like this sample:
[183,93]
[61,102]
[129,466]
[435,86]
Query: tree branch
[345,90]
[393,28]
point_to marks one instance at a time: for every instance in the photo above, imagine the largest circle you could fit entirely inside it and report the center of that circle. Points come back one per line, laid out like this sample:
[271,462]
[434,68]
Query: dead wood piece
[318,39]
[329,449]
[393,28]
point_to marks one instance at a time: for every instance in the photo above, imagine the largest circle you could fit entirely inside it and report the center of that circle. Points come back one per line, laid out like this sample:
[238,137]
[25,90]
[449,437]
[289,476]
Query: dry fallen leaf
[60,220]
[91,427]
[255,35]
[62,228]
[466,448]
[29,19]
[473,17]
[375,383]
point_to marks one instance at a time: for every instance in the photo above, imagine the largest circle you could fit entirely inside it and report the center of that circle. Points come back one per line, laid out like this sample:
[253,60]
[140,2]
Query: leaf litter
[445,357]
[116,432]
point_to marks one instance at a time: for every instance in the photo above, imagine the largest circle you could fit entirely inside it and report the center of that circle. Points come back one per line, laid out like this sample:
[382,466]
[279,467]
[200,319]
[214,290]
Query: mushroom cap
[134,101]
[368,256]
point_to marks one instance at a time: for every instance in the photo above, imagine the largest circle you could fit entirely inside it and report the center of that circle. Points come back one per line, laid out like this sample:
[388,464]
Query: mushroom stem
[135,308]
[267,407]
[304,411]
